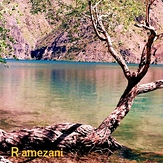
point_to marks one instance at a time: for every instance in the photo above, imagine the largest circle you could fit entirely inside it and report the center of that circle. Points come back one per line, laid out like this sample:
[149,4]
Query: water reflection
[44,93]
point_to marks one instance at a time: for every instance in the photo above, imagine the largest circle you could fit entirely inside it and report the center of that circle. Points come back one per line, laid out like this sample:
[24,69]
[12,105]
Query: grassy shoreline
[124,155]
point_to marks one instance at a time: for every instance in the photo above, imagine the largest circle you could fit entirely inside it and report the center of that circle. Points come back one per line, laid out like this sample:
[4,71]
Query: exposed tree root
[67,136]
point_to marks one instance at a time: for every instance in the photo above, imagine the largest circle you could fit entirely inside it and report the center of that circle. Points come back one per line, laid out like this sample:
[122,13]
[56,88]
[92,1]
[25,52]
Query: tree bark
[67,136]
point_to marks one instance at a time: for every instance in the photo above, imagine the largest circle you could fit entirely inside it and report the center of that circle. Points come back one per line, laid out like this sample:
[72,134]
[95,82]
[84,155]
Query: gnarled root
[68,136]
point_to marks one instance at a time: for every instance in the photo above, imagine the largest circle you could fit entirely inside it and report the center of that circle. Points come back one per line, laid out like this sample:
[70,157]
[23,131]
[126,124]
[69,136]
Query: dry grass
[125,155]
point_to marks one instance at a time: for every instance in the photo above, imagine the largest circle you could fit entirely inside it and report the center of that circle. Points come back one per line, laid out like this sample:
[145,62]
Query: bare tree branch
[159,36]
[144,88]
[149,3]
[95,6]
[94,23]
[104,36]
[133,89]
[146,53]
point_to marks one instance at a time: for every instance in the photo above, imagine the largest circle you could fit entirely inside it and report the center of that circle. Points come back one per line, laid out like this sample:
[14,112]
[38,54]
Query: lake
[39,93]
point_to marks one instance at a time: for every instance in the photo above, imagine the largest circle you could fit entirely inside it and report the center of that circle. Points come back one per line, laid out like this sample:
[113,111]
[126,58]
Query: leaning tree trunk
[85,138]
[75,137]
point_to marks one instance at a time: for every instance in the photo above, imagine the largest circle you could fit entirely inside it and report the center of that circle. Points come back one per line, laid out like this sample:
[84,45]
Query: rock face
[37,38]
[21,46]
[24,27]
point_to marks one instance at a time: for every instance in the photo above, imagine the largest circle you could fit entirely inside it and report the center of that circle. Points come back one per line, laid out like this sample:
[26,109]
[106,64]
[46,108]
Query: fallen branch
[67,136]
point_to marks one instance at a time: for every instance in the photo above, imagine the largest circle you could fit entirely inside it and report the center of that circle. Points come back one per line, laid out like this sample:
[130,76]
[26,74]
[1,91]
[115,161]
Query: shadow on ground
[138,156]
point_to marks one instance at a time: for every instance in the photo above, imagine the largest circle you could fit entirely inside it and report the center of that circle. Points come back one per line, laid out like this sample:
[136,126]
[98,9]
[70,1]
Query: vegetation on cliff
[61,30]
[72,36]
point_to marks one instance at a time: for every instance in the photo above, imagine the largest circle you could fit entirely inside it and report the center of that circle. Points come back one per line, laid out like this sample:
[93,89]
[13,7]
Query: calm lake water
[39,93]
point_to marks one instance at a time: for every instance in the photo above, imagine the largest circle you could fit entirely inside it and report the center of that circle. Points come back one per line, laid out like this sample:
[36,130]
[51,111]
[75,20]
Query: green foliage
[5,38]
[69,17]
[58,10]
[121,12]
[118,11]
[40,6]
[2,60]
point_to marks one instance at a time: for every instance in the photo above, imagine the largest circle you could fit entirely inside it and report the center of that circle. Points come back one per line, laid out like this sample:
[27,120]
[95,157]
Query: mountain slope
[61,30]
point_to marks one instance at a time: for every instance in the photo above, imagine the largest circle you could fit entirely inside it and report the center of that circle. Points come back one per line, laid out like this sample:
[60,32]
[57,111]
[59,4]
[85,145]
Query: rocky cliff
[24,27]
[63,31]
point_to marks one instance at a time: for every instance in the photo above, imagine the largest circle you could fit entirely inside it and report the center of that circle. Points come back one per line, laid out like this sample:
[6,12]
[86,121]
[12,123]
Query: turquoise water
[39,93]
